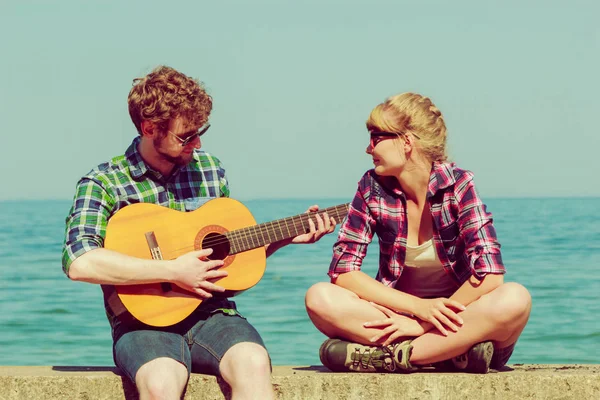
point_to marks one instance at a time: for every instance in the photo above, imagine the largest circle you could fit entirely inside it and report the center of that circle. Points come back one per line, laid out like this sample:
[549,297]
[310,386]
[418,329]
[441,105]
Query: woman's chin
[380,170]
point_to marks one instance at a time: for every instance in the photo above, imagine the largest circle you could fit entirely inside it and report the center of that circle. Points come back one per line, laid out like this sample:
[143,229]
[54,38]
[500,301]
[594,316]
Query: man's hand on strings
[194,272]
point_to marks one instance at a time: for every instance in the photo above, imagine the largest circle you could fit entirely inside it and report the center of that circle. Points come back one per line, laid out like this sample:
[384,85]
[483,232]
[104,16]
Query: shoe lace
[461,358]
[379,357]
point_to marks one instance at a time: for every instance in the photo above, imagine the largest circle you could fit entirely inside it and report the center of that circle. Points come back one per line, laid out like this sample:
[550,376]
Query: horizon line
[523,197]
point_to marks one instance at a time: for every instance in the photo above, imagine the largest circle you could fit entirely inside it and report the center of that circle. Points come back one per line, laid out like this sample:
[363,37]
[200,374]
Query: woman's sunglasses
[377,137]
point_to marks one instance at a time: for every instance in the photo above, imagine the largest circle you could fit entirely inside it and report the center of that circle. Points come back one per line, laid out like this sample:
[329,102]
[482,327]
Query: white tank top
[423,274]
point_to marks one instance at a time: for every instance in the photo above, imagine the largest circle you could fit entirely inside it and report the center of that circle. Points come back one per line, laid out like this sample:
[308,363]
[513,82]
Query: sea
[550,245]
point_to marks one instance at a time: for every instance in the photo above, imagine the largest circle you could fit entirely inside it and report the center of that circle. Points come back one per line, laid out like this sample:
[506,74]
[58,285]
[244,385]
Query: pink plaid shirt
[463,233]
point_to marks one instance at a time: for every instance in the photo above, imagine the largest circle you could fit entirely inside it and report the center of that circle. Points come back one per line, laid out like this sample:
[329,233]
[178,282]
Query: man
[164,165]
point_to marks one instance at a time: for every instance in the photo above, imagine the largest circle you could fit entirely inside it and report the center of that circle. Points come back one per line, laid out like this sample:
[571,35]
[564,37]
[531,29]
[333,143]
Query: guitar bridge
[157,255]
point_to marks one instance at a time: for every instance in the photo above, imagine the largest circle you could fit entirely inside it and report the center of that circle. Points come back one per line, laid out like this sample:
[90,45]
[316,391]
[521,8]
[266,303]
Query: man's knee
[245,359]
[161,378]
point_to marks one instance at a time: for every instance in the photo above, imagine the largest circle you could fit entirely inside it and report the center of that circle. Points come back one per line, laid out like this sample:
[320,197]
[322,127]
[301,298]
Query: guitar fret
[274,231]
[239,245]
[250,237]
[254,237]
[304,230]
[258,234]
[269,232]
[297,229]
[245,236]
[235,244]
[239,242]
[262,235]
[244,239]
[232,247]
[279,229]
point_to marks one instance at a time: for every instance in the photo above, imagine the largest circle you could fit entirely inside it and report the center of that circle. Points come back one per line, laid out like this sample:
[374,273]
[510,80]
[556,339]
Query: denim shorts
[199,346]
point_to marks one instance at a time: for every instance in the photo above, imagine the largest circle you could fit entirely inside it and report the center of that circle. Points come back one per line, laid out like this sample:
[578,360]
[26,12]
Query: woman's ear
[408,141]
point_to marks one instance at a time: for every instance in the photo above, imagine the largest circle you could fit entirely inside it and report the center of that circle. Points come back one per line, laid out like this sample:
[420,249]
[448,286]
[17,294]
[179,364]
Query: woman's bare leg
[499,316]
[340,313]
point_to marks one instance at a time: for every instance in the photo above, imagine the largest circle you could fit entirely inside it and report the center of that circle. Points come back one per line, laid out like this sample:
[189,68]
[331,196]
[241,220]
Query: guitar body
[175,234]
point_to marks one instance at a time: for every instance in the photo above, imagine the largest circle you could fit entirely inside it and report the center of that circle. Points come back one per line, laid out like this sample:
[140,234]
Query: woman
[439,293]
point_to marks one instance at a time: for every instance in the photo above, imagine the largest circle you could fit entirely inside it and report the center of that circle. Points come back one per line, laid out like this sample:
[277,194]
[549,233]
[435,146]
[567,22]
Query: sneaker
[476,361]
[343,356]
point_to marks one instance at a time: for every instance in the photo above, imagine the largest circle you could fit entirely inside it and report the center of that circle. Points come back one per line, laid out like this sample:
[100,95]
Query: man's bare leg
[247,369]
[161,378]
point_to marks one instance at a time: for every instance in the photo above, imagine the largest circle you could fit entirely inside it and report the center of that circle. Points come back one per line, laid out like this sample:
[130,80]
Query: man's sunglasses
[194,135]
[377,137]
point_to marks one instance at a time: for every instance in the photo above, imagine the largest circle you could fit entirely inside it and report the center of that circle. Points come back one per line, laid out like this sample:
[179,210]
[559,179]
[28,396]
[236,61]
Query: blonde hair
[411,113]
[165,94]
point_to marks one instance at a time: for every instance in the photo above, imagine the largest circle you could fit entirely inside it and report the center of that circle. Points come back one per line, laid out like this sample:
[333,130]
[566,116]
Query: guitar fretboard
[269,232]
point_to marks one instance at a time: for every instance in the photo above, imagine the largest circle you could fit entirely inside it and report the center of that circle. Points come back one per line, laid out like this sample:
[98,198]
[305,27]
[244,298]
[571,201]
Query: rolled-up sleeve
[482,248]
[353,239]
[87,220]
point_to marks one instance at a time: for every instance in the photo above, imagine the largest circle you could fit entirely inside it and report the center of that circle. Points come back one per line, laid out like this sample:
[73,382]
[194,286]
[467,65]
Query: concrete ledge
[307,383]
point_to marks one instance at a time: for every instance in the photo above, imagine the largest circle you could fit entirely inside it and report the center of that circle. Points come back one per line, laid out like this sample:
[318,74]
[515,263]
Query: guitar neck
[260,235]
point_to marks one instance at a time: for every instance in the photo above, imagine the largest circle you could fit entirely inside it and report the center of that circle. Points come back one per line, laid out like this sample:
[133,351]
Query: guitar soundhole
[218,243]
[213,236]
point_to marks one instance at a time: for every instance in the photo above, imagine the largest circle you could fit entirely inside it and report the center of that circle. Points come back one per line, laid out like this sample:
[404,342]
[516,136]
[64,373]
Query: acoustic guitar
[151,231]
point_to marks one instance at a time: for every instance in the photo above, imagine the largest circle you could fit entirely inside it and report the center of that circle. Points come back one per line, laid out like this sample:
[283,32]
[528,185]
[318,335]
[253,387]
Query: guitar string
[268,227]
[217,242]
[263,228]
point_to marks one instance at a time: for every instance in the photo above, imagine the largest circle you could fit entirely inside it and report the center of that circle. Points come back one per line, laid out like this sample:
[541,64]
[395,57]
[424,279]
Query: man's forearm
[103,266]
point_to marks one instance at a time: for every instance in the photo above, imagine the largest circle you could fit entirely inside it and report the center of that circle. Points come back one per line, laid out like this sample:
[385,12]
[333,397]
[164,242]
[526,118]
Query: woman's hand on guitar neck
[195,273]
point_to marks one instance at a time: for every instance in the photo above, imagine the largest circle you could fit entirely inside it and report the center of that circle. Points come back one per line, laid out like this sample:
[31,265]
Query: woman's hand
[394,326]
[439,314]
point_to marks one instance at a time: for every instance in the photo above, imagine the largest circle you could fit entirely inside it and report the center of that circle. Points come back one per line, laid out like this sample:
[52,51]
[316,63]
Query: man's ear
[148,128]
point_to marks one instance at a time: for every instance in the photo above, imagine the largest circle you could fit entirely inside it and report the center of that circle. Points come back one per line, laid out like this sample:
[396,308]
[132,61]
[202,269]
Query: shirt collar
[137,166]
[442,177]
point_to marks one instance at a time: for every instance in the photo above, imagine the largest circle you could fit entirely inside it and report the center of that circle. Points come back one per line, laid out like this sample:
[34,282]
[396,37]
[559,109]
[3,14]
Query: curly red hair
[165,94]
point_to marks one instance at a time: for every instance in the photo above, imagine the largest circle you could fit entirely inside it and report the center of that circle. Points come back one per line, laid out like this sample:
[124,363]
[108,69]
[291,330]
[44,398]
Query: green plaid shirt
[127,179]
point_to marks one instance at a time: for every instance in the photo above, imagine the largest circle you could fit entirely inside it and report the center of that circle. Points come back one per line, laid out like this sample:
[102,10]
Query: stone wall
[577,382]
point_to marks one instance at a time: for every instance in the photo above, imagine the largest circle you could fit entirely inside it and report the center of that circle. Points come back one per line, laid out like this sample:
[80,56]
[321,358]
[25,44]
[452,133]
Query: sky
[293,83]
